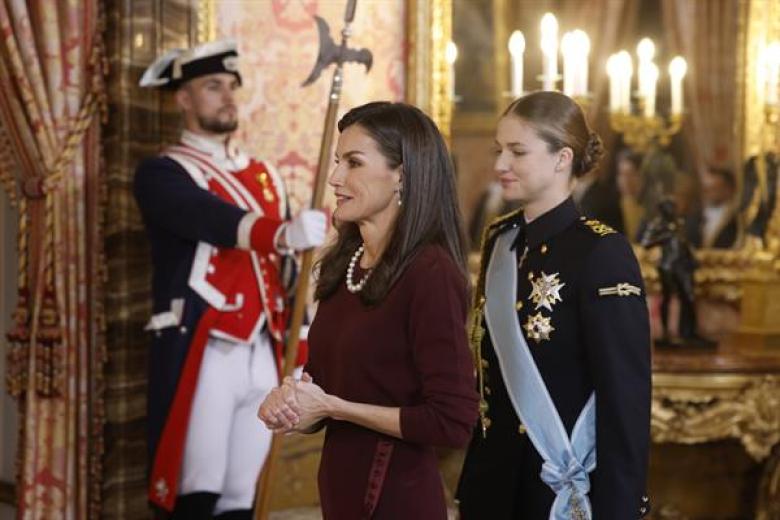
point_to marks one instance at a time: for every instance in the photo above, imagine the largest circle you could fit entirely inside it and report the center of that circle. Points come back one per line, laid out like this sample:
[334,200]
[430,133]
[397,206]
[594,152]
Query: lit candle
[613,71]
[772,73]
[626,68]
[516,50]
[570,56]
[582,44]
[549,51]
[651,77]
[645,52]
[451,55]
[677,69]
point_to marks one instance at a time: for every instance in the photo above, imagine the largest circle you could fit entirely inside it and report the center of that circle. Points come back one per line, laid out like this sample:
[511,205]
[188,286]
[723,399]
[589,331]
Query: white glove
[306,230]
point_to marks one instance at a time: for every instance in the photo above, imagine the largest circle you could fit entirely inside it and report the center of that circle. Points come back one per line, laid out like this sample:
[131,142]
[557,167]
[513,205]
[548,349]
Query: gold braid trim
[477,332]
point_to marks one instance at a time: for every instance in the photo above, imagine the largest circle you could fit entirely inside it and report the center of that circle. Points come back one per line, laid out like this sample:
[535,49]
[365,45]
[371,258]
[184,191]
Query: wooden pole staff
[266,480]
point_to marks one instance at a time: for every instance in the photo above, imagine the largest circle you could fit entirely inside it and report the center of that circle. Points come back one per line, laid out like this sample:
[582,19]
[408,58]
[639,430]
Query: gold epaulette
[598,227]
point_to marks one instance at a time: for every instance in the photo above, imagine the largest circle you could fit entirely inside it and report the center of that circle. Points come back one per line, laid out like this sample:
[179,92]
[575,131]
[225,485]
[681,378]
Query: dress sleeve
[447,411]
[617,340]
[169,199]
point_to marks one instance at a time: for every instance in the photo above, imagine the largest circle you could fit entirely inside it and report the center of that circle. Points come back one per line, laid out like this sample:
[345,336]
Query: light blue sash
[566,463]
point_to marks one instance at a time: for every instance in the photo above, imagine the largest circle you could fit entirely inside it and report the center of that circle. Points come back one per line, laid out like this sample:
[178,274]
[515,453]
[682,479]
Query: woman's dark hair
[560,123]
[429,213]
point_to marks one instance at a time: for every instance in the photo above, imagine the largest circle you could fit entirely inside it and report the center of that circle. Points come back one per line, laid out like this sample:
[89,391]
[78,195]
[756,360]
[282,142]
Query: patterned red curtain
[51,100]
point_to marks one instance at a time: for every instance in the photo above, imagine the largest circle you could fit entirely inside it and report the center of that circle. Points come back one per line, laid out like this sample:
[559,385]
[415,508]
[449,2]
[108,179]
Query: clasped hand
[295,406]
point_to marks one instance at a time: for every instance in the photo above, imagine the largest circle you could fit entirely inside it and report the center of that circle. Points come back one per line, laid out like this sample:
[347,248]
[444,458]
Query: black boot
[236,514]
[195,506]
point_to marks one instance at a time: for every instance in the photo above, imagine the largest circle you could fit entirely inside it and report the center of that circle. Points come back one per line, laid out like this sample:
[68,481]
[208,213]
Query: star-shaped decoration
[538,328]
[546,290]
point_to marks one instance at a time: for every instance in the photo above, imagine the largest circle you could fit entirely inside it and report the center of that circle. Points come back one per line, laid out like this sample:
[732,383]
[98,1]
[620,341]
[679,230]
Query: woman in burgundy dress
[390,373]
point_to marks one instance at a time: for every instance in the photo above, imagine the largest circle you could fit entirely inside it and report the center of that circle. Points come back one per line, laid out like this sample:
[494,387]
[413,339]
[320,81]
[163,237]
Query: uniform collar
[224,152]
[549,224]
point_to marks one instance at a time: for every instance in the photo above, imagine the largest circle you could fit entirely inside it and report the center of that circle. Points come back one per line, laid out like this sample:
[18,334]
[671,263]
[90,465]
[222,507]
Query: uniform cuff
[262,235]
[243,235]
[279,249]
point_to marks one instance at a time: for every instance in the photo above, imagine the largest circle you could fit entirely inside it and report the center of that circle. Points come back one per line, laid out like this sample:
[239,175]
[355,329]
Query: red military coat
[242,289]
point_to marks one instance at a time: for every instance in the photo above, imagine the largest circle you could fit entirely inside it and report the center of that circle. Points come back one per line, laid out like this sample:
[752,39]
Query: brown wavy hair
[560,122]
[429,214]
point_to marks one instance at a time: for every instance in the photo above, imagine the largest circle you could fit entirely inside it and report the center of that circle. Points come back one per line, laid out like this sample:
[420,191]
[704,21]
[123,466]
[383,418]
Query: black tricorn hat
[178,66]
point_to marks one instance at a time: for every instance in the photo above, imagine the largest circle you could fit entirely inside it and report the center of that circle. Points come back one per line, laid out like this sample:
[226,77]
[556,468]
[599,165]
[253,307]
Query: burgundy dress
[410,351]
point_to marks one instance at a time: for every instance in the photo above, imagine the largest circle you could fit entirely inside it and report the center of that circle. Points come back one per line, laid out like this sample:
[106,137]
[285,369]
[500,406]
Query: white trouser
[226,443]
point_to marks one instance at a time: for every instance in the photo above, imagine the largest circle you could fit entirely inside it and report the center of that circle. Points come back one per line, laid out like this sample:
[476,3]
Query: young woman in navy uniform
[561,338]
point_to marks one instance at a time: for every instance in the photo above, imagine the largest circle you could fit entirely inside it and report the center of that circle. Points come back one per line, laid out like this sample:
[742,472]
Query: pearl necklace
[351,286]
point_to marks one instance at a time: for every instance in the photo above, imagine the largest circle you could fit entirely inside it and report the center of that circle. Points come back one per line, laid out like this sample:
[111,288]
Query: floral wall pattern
[278,42]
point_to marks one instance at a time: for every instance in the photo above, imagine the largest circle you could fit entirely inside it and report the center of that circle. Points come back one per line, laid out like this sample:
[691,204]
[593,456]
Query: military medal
[546,290]
[538,328]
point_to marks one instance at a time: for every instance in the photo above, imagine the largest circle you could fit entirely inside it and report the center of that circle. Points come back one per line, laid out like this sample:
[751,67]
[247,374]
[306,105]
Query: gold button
[521,429]
[487,390]
[519,305]
[482,300]
[544,248]
[485,364]
[530,276]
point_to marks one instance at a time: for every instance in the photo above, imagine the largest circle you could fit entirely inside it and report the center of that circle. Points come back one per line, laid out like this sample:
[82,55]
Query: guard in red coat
[222,247]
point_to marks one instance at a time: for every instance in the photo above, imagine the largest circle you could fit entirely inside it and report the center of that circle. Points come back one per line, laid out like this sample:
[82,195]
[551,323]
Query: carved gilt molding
[206,21]
[429,26]
[761,27]
[691,409]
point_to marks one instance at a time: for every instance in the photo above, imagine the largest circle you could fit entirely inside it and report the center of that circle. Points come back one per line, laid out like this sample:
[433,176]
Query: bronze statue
[675,271]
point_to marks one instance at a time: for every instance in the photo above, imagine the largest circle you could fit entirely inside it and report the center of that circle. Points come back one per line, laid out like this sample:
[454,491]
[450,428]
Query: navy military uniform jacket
[596,337]
[199,273]
[178,214]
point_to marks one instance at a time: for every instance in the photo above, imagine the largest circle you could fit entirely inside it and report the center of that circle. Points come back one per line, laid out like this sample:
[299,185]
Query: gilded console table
[732,393]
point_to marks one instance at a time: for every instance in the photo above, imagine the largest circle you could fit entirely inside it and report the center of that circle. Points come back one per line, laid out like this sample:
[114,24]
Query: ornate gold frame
[429,26]
[206,23]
